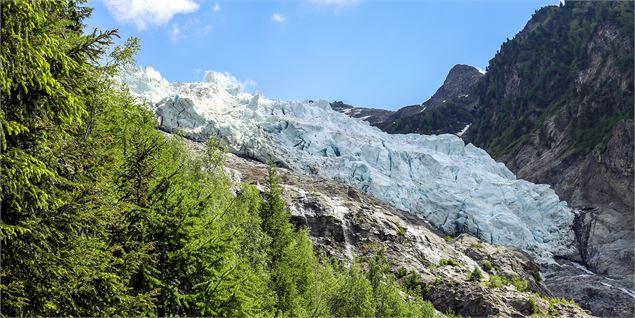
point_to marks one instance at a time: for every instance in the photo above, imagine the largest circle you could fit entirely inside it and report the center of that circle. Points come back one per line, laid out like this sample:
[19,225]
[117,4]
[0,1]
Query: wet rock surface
[600,294]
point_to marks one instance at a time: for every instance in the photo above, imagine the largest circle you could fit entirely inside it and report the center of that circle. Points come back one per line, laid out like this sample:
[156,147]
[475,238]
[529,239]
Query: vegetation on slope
[103,215]
[540,75]
[448,117]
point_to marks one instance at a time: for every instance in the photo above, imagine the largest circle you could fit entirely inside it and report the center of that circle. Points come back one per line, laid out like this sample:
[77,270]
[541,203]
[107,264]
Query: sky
[381,54]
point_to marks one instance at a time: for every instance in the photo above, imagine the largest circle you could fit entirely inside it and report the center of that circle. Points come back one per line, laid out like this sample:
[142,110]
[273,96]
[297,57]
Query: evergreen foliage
[103,215]
[535,80]
[449,117]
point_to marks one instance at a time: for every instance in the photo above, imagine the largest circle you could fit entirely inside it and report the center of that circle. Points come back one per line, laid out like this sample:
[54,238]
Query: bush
[496,281]
[448,261]
[487,265]
[475,275]
[534,308]
[476,245]
[519,283]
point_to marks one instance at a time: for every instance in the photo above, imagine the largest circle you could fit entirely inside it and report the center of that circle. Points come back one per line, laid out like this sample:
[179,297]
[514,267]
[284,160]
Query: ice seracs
[457,187]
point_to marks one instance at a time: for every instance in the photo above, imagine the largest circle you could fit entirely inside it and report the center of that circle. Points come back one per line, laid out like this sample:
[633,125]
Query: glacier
[456,187]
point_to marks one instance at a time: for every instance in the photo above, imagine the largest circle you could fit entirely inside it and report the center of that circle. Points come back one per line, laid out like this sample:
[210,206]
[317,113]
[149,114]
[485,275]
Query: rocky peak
[460,79]
[458,82]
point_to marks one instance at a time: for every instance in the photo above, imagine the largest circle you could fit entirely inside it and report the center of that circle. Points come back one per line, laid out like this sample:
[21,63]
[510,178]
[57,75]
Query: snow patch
[582,268]
[460,133]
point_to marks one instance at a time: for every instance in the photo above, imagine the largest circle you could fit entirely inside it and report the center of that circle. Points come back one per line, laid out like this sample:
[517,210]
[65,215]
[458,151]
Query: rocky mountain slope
[457,188]
[556,105]
[345,223]
[449,110]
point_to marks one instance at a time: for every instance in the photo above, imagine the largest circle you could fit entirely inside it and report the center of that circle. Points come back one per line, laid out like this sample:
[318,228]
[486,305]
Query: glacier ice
[457,187]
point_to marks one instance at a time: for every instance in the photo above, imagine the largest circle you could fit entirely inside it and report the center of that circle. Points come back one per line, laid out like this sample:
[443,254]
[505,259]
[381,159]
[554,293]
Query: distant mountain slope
[556,105]
[373,116]
[449,110]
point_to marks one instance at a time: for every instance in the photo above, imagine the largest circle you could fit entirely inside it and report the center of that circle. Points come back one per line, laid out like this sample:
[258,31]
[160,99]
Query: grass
[487,265]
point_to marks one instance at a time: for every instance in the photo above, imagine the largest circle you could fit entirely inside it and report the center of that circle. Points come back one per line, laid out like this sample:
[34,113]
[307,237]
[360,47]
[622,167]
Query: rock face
[346,223]
[459,81]
[447,111]
[601,295]
[456,187]
[556,105]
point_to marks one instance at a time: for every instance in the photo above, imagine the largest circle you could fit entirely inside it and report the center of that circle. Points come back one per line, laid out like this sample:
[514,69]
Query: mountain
[458,188]
[360,190]
[556,105]
[345,222]
[449,110]
[458,83]
[338,166]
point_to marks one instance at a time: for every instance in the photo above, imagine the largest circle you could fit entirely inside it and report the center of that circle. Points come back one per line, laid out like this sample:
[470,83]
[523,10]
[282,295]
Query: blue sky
[383,54]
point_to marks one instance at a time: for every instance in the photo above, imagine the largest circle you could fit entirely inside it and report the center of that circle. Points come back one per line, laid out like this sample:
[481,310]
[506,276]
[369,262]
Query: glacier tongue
[457,187]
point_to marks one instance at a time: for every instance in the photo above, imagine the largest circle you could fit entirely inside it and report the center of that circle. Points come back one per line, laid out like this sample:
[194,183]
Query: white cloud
[192,27]
[216,7]
[336,4]
[147,13]
[279,18]
[482,71]
[175,32]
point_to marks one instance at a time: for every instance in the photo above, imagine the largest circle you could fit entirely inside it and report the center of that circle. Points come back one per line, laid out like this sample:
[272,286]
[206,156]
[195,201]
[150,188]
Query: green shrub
[451,314]
[475,275]
[519,283]
[476,245]
[401,272]
[534,308]
[412,282]
[448,261]
[402,231]
[487,265]
[496,281]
